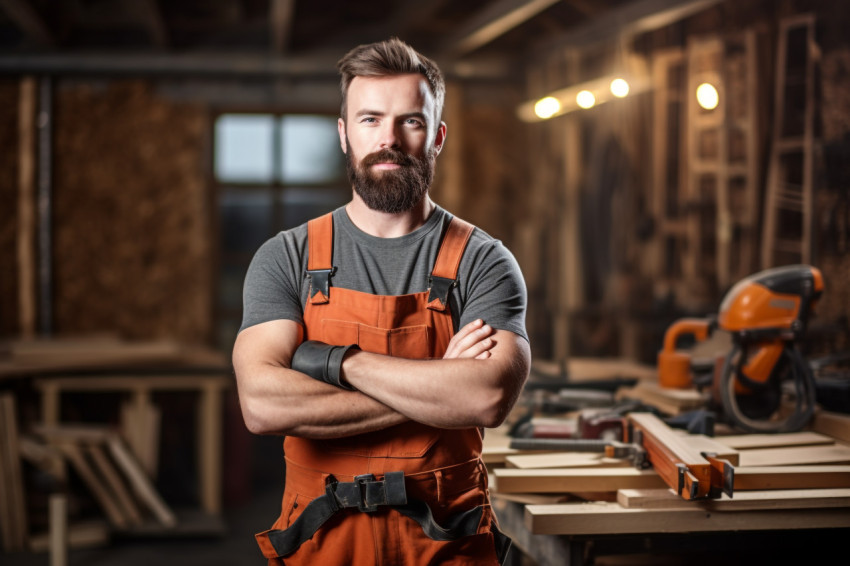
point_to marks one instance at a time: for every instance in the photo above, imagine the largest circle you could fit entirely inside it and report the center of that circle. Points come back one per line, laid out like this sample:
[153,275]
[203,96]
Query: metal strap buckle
[364,482]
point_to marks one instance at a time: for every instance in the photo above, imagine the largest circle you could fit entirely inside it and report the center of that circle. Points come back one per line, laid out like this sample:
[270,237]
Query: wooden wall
[132,240]
[8,207]
[601,284]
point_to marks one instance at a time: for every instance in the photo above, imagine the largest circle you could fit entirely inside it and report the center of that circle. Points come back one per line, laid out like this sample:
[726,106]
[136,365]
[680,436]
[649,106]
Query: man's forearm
[277,400]
[447,393]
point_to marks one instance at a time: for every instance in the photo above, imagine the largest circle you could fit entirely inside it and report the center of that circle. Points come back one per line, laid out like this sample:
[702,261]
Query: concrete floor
[233,545]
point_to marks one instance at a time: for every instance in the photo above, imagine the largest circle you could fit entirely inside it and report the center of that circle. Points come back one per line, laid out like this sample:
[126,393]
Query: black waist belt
[368,494]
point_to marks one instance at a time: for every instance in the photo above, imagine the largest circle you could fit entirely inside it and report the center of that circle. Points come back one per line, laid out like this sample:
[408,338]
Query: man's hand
[472,341]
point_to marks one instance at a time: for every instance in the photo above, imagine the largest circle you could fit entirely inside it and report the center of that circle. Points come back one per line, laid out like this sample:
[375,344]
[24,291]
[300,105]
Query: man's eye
[414,122]
[368,120]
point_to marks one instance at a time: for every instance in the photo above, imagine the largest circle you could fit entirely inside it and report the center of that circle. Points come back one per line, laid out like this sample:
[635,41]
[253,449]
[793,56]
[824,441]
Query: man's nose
[389,136]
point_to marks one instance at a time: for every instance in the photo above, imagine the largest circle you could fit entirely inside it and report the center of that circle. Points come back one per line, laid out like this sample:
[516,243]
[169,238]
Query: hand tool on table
[766,315]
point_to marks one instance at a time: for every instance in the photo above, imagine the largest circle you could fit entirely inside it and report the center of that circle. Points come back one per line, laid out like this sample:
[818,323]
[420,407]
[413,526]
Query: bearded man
[381,339]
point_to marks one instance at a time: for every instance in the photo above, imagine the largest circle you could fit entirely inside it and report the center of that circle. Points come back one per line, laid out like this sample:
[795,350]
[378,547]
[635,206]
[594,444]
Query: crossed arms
[475,384]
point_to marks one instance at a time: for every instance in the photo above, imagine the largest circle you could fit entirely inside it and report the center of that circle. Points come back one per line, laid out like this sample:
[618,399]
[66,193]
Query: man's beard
[391,190]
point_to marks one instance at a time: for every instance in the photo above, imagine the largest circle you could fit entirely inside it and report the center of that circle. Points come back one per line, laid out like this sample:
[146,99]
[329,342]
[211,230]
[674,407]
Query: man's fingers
[470,341]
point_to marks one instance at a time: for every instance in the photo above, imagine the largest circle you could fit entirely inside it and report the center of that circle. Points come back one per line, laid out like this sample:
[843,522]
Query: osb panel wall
[833,199]
[8,207]
[132,245]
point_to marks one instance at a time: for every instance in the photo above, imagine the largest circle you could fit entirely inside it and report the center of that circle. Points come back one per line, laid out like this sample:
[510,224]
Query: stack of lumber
[782,481]
[113,475]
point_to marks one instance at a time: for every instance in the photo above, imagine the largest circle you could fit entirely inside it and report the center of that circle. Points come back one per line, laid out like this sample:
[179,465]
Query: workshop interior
[672,176]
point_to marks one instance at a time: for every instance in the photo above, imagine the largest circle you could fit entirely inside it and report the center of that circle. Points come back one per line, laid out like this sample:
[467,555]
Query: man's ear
[340,126]
[440,138]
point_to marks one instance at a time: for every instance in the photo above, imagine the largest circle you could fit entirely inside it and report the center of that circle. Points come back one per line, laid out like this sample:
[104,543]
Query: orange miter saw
[763,384]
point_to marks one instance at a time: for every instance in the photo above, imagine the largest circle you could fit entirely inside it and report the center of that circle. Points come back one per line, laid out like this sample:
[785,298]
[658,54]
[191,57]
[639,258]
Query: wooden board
[602,518]
[836,425]
[835,454]
[580,369]
[744,500]
[791,477]
[96,484]
[670,401]
[565,460]
[754,441]
[559,480]
[140,483]
[714,446]
[13,511]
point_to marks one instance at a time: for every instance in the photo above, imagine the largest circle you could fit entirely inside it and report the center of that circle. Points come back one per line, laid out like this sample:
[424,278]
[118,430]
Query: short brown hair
[387,58]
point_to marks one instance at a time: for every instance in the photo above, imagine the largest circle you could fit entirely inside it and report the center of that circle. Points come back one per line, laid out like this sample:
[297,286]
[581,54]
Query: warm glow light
[619,88]
[547,107]
[707,96]
[585,99]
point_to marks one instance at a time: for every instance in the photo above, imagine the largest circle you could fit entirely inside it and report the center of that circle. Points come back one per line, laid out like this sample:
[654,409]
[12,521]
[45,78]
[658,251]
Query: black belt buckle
[361,482]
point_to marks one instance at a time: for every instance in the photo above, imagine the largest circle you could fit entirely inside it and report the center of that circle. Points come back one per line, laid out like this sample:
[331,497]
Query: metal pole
[45,205]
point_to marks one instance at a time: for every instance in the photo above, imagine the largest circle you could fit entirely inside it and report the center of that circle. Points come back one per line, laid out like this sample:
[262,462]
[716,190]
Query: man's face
[391,139]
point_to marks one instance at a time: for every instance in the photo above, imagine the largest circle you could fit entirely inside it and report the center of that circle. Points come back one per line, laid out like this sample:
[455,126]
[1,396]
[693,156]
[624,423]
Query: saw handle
[674,367]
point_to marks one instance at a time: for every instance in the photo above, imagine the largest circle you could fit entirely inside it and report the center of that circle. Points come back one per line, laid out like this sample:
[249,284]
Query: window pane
[310,151]
[243,148]
[246,220]
[300,205]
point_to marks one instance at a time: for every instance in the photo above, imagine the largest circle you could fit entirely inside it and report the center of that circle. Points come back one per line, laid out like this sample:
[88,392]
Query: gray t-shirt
[489,282]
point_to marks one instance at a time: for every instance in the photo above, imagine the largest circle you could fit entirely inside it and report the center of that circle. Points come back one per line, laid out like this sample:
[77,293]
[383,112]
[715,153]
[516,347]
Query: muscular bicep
[269,343]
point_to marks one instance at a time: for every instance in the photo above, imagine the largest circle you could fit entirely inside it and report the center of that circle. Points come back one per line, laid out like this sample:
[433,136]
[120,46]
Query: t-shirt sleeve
[495,290]
[272,285]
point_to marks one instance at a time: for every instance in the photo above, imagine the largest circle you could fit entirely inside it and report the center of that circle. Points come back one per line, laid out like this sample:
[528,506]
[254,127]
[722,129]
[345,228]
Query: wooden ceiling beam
[151,15]
[28,20]
[638,16]
[495,20]
[281,15]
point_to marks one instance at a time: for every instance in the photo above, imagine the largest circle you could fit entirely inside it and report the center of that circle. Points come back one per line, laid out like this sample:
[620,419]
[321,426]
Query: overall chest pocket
[412,342]
[408,440]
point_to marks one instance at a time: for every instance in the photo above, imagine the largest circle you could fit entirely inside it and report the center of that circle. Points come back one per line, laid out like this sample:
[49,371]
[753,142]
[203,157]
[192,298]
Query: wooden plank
[7,515]
[836,425]
[745,500]
[603,518]
[84,534]
[140,428]
[16,507]
[565,460]
[58,533]
[715,446]
[835,454]
[140,483]
[26,223]
[116,485]
[791,477]
[94,482]
[585,369]
[509,480]
[670,401]
[752,441]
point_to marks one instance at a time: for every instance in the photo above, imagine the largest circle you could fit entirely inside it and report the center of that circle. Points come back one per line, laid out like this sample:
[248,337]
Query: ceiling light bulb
[619,88]
[547,107]
[707,96]
[585,99]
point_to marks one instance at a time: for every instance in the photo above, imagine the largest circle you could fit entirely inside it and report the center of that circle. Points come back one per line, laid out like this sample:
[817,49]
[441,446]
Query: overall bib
[409,494]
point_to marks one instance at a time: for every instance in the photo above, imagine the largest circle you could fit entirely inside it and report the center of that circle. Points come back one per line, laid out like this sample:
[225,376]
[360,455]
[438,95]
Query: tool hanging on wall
[763,384]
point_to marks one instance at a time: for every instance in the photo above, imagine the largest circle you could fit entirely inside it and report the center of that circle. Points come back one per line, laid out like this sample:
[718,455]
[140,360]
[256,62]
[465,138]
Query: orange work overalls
[410,494]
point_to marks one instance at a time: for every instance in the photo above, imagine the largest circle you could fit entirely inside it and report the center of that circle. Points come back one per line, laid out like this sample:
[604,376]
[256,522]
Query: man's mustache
[387,156]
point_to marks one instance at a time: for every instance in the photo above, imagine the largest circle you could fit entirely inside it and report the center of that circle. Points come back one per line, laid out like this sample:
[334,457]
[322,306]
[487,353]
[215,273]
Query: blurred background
[639,157]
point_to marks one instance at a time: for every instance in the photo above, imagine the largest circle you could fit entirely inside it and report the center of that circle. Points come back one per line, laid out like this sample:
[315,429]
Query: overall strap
[320,238]
[444,275]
